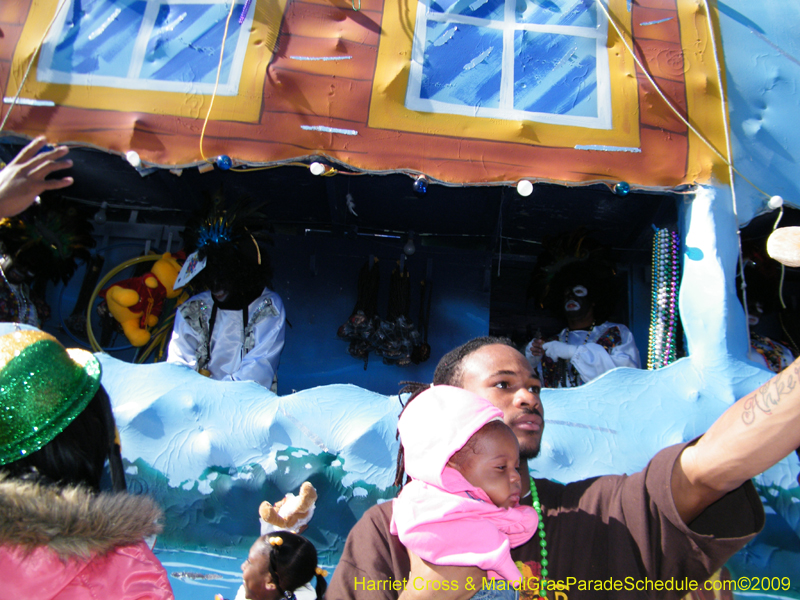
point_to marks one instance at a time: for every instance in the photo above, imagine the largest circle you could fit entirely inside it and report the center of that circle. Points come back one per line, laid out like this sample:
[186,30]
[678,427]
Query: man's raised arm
[748,438]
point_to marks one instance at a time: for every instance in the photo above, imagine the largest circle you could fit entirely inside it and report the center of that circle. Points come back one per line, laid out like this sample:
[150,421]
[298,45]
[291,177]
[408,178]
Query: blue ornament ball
[623,188]
[420,185]
[224,162]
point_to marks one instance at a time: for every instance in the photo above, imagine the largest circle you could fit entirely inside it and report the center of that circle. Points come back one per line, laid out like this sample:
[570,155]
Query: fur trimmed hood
[72,521]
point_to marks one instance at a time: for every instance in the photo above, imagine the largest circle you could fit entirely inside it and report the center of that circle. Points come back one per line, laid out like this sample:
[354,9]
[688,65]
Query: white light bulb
[524,187]
[133,158]
[775,202]
[317,168]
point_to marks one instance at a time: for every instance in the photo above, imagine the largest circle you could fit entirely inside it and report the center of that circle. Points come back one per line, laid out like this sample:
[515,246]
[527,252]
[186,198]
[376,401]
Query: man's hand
[23,179]
[535,349]
[427,581]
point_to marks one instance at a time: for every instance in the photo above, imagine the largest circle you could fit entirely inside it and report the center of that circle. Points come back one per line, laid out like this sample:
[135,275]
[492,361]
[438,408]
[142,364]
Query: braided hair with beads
[293,563]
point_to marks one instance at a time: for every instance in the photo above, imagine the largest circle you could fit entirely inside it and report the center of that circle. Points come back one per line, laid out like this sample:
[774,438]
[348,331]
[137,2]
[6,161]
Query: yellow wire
[158,337]
[160,333]
[161,347]
[669,104]
[214,95]
[727,160]
[783,267]
[216,83]
[153,340]
[30,64]
[334,171]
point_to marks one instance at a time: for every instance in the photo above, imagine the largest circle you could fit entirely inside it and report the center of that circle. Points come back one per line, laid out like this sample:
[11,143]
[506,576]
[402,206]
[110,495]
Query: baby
[462,505]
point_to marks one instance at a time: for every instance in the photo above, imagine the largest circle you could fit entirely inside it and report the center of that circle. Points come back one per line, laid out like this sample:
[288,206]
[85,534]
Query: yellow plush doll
[137,303]
[291,513]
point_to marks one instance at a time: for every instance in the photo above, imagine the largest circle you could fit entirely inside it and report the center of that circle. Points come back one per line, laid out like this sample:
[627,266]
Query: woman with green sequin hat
[44,387]
[60,535]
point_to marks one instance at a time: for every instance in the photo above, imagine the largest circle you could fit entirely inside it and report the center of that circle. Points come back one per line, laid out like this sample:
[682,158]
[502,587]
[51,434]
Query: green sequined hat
[43,387]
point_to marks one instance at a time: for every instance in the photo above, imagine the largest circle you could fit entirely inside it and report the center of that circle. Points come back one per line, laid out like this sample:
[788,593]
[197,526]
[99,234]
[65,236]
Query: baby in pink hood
[462,505]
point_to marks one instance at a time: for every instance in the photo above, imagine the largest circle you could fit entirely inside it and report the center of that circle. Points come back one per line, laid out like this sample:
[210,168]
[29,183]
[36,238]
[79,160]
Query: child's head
[278,564]
[446,426]
[489,460]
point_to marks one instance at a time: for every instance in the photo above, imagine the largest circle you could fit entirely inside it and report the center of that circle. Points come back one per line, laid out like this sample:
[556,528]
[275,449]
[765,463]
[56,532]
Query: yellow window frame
[246,106]
[388,111]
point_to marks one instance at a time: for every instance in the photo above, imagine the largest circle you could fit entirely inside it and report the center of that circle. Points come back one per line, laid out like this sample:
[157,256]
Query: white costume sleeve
[592,359]
[261,362]
[183,344]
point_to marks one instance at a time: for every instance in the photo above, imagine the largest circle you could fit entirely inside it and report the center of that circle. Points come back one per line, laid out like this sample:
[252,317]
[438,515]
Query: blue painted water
[199,575]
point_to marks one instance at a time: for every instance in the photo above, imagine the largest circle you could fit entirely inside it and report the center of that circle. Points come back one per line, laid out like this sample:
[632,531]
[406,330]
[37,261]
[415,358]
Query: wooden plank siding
[12,19]
[337,94]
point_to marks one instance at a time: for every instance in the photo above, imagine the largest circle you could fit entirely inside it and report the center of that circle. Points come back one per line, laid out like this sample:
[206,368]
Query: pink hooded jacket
[69,544]
[439,515]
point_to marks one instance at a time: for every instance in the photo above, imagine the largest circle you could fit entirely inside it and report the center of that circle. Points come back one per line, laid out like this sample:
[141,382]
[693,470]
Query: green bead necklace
[542,541]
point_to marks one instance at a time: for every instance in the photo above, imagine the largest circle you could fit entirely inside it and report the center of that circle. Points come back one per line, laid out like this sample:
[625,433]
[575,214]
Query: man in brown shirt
[660,532]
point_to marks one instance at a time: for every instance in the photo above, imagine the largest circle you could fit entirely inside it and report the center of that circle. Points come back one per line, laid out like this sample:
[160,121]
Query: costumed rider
[233,331]
[767,320]
[582,293]
[38,245]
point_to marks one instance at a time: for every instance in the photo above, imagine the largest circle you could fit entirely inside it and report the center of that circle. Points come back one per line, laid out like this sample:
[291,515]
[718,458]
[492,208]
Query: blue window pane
[185,41]
[484,9]
[579,13]
[555,74]
[98,37]
[462,65]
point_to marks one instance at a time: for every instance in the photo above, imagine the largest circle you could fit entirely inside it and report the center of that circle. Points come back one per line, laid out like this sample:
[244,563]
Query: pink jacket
[125,573]
[439,515]
[68,544]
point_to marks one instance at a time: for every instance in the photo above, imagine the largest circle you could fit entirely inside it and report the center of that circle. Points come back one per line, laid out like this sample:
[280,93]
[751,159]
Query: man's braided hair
[449,371]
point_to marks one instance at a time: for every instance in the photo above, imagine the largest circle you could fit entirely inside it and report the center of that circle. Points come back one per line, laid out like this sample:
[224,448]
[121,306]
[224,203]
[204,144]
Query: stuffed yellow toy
[292,513]
[137,302]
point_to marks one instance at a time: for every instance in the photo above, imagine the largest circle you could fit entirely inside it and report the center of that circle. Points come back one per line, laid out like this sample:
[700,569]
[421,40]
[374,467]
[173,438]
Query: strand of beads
[542,541]
[664,315]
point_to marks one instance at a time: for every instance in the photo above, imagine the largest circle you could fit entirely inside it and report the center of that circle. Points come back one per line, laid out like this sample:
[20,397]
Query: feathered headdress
[230,236]
[48,239]
[219,222]
[572,258]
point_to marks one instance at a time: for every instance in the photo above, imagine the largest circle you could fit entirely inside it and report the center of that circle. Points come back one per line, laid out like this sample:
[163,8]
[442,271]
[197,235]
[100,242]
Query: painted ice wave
[210,452]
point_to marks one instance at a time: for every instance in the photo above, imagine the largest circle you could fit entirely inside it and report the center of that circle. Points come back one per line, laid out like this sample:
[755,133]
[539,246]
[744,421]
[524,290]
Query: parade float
[442,140]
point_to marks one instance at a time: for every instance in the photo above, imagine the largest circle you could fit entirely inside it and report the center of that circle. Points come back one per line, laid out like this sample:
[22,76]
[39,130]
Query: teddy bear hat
[43,387]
